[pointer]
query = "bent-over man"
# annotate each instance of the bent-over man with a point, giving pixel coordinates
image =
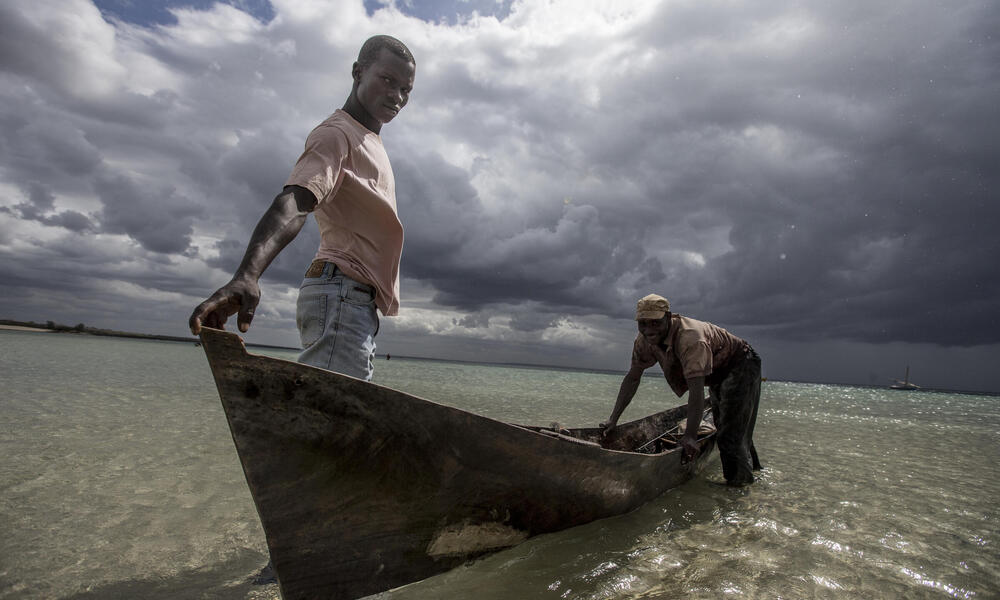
(694, 354)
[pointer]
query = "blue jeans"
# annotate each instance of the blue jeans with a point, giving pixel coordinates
(337, 321)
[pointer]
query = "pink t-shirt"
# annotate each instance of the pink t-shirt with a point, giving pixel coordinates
(345, 166)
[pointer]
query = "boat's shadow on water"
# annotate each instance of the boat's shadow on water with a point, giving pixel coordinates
(222, 581)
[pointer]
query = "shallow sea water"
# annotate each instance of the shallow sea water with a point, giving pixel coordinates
(118, 479)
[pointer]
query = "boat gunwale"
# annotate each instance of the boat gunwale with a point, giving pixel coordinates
(636, 423)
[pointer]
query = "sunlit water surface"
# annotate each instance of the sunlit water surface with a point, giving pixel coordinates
(119, 479)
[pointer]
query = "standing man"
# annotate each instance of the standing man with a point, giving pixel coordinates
(694, 354)
(344, 177)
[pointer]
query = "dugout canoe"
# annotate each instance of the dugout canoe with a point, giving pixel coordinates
(361, 488)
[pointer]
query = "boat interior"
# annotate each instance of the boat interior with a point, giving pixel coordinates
(653, 435)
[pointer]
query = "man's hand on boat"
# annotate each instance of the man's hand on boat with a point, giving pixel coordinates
(607, 427)
(690, 447)
(238, 296)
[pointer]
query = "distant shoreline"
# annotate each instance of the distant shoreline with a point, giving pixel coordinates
(7, 324)
(81, 329)
(24, 328)
(31, 326)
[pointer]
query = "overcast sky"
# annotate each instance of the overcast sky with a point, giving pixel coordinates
(820, 178)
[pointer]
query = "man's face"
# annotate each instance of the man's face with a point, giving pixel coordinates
(384, 86)
(654, 330)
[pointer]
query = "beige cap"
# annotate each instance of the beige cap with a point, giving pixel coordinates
(652, 307)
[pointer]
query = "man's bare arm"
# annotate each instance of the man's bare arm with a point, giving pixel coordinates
(279, 225)
(625, 394)
(696, 406)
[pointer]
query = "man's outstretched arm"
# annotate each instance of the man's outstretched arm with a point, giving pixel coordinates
(282, 221)
(696, 406)
(625, 394)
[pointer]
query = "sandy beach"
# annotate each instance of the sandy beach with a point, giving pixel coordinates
(22, 328)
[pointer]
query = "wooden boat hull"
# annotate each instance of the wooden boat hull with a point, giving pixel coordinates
(361, 488)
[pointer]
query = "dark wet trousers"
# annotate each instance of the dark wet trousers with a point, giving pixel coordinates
(734, 410)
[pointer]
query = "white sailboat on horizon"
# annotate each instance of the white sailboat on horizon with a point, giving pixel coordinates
(905, 384)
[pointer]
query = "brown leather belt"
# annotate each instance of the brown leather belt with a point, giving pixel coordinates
(316, 268)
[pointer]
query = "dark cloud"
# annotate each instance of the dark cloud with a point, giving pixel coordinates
(473, 321)
(49, 149)
(847, 168)
(153, 215)
(40, 207)
(68, 219)
(532, 321)
(474, 261)
(802, 173)
(256, 167)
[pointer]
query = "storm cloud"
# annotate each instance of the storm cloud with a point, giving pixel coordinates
(813, 176)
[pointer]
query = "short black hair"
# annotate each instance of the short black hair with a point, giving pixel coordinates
(371, 47)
